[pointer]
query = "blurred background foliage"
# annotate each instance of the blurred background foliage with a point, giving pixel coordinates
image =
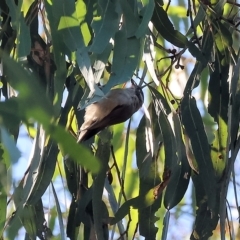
(169, 172)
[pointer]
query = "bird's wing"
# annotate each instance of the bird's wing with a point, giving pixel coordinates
(97, 114)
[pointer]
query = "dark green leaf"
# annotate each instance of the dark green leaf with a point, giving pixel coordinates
(206, 219)
(60, 218)
(3, 189)
(201, 14)
(218, 9)
(166, 130)
(224, 41)
(103, 153)
(218, 108)
(194, 78)
(166, 225)
(235, 89)
(193, 124)
(54, 12)
(163, 25)
(181, 170)
(147, 172)
(42, 176)
(23, 38)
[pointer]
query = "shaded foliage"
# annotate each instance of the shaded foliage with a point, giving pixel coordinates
(59, 56)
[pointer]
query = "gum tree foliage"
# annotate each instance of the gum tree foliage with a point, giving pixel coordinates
(83, 49)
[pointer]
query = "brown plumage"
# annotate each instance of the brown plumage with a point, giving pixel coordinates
(116, 107)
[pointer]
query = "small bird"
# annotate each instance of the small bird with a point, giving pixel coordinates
(116, 107)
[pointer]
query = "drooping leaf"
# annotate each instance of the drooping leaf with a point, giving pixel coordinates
(69, 29)
(149, 56)
(163, 25)
(105, 25)
(3, 190)
(147, 12)
(201, 14)
(125, 59)
(166, 225)
(32, 217)
(194, 78)
(23, 38)
(218, 108)
(206, 218)
(193, 124)
(223, 40)
(103, 153)
(60, 218)
(147, 172)
(162, 109)
(235, 90)
(181, 171)
(55, 10)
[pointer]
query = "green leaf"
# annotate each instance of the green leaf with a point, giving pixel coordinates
(127, 49)
(33, 105)
(69, 28)
(166, 130)
(9, 145)
(218, 108)
(82, 13)
(193, 124)
(146, 12)
(30, 92)
(130, 23)
(149, 57)
(223, 40)
(32, 217)
(105, 25)
(163, 25)
(206, 218)
(197, 53)
(181, 170)
(194, 78)
(140, 202)
(160, 100)
(40, 176)
(3, 190)
(55, 11)
(85, 67)
(207, 44)
(103, 153)
(126, 57)
(23, 38)
(101, 61)
(60, 218)
(14, 13)
(235, 90)
(166, 225)
(218, 9)
(147, 173)
(201, 14)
